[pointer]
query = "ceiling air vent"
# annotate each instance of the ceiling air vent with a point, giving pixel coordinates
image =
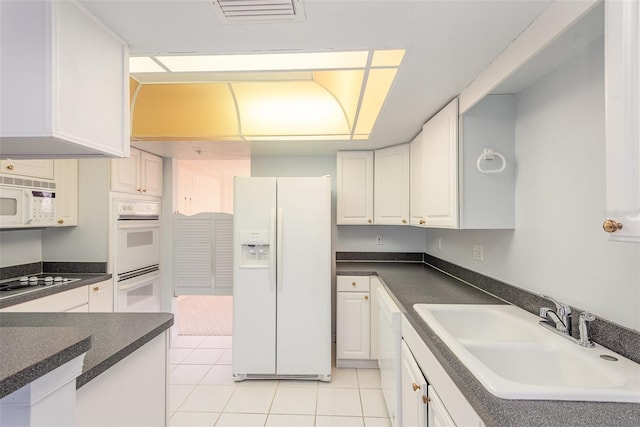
(232, 11)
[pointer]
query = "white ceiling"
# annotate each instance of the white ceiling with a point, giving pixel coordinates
(448, 43)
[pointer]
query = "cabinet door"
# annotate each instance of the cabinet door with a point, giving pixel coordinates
(125, 173)
(438, 414)
(353, 325)
(416, 188)
(391, 185)
(42, 168)
(76, 298)
(414, 391)
(354, 187)
(622, 62)
(150, 174)
(66, 177)
(76, 72)
(101, 297)
(440, 168)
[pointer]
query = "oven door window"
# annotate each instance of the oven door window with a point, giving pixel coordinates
(143, 297)
(137, 247)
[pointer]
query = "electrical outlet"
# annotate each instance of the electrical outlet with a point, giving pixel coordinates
(477, 253)
(379, 239)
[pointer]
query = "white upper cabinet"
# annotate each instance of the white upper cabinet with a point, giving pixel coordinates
(416, 188)
(42, 168)
(391, 185)
(64, 79)
(140, 173)
(66, 177)
(354, 187)
(440, 168)
(622, 83)
(453, 183)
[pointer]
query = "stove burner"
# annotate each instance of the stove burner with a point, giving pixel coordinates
(33, 281)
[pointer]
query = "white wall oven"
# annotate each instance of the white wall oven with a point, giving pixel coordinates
(137, 256)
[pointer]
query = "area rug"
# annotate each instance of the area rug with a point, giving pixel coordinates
(204, 315)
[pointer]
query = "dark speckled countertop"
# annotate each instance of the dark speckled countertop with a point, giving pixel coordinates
(412, 283)
(33, 344)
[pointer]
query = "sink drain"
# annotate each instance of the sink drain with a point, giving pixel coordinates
(609, 358)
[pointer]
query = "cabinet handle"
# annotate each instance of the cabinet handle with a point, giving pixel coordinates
(353, 283)
(61, 221)
(415, 386)
(404, 221)
(10, 167)
(96, 289)
(144, 190)
(139, 190)
(611, 226)
(366, 297)
(422, 222)
(425, 399)
(369, 221)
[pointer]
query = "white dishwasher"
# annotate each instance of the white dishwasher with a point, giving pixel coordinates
(390, 355)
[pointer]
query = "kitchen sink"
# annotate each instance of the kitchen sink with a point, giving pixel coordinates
(513, 357)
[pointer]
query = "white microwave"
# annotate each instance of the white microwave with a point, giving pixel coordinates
(27, 207)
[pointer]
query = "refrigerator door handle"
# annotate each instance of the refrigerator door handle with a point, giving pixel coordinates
(279, 262)
(272, 252)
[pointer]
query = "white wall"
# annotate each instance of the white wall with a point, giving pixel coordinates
(558, 247)
(20, 247)
(89, 240)
(362, 238)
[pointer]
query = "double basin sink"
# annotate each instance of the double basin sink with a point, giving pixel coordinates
(513, 357)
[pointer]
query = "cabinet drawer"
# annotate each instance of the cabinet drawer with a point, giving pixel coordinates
(352, 283)
(63, 301)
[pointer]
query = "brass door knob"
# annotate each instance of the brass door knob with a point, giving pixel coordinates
(10, 167)
(422, 222)
(415, 386)
(425, 399)
(611, 226)
(61, 221)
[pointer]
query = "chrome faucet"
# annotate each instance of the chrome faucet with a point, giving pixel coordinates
(561, 317)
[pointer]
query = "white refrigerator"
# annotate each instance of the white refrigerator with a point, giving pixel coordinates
(282, 278)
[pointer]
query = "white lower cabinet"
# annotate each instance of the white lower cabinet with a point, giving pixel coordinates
(414, 391)
(101, 297)
(437, 413)
(446, 405)
(356, 322)
(133, 392)
(353, 318)
(73, 300)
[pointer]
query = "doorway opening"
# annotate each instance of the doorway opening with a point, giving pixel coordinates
(204, 315)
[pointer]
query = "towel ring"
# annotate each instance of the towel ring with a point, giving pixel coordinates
(488, 154)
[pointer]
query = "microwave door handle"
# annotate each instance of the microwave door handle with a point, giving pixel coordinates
(27, 215)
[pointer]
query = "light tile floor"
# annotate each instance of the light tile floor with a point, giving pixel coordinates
(202, 393)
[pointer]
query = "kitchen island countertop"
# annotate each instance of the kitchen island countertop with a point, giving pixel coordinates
(413, 283)
(55, 338)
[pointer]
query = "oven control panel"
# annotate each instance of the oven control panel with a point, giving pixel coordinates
(138, 208)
